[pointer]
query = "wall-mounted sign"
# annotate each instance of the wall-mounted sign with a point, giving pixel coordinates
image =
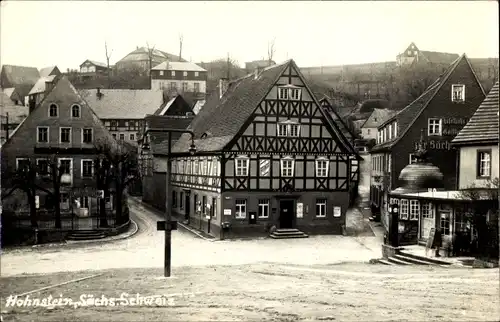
(227, 212)
(300, 210)
(337, 212)
(455, 121)
(434, 145)
(37, 202)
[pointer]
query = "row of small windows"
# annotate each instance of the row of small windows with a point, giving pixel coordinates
(242, 167)
(65, 134)
(64, 164)
(76, 110)
(184, 73)
(264, 205)
(289, 93)
(388, 133)
(185, 86)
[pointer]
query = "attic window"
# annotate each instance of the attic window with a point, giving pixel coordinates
(53, 110)
(288, 128)
(289, 92)
(457, 93)
(75, 111)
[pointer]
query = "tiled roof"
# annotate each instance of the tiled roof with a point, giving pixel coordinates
(176, 106)
(378, 117)
(40, 85)
(439, 57)
(96, 63)
(18, 75)
(44, 72)
(143, 54)
(409, 114)
(123, 103)
(16, 112)
(222, 117)
(182, 66)
(483, 125)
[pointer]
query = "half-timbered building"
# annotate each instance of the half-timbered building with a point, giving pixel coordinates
(268, 157)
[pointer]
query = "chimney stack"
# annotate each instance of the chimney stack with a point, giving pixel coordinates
(223, 85)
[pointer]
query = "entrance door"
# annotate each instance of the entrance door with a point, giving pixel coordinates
(428, 221)
(187, 205)
(287, 213)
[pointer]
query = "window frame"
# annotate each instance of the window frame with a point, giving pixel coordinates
(414, 209)
(71, 165)
(70, 134)
(282, 161)
(429, 213)
(91, 168)
(238, 204)
(410, 156)
(460, 100)
(264, 204)
(321, 203)
(38, 167)
(172, 73)
(403, 209)
(131, 136)
(196, 74)
(20, 159)
(38, 128)
(326, 169)
(79, 111)
(120, 136)
(246, 166)
(56, 109)
(440, 126)
(480, 152)
(91, 135)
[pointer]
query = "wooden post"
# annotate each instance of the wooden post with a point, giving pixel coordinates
(168, 209)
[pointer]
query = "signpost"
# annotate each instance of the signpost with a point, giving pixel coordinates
(394, 226)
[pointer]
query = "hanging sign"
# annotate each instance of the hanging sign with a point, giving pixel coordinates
(337, 212)
(300, 210)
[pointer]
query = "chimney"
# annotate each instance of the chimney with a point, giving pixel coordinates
(223, 85)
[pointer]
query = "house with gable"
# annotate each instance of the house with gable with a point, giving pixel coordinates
(268, 161)
(63, 127)
(435, 117)
(11, 116)
(377, 117)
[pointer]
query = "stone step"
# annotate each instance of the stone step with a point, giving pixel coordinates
(397, 261)
(412, 260)
(85, 237)
(287, 230)
(288, 236)
(432, 260)
(286, 233)
(385, 262)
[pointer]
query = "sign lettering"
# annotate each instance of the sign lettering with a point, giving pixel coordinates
(434, 145)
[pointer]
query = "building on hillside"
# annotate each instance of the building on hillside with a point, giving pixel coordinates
(182, 77)
(140, 59)
(13, 76)
(440, 112)
(91, 69)
(48, 77)
(123, 110)
(61, 129)
(251, 66)
(267, 156)
(412, 55)
(11, 115)
(459, 212)
(369, 130)
(152, 160)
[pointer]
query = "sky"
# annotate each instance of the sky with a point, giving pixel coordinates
(313, 33)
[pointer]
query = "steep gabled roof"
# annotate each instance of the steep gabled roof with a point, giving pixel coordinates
(96, 63)
(181, 66)
(407, 116)
(176, 106)
(378, 117)
(123, 103)
(16, 112)
(48, 71)
(13, 76)
(483, 125)
(142, 54)
(223, 117)
(438, 57)
(41, 84)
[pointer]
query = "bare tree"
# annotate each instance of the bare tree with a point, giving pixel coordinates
(150, 57)
(415, 79)
(108, 56)
(271, 50)
(181, 40)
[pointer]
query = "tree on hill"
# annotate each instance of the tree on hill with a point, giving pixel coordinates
(415, 79)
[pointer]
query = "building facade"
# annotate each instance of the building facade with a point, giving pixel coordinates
(276, 160)
(437, 115)
(369, 130)
(179, 76)
(144, 59)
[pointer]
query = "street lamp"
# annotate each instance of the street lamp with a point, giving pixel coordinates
(168, 225)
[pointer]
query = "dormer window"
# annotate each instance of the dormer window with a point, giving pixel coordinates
(457, 93)
(75, 111)
(289, 92)
(288, 128)
(241, 166)
(53, 110)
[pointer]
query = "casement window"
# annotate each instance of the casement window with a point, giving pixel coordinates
(241, 209)
(414, 209)
(184, 74)
(457, 93)
(66, 167)
(461, 223)
(196, 74)
(445, 223)
(173, 85)
(22, 163)
(64, 198)
(321, 208)
(214, 208)
(75, 111)
(412, 158)
(389, 132)
(283, 93)
(114, 135)
(42, 134)
(483, 164)
(172, 73)
(184, 86)
(131, 137)
(322, 167)
(196, 170)
(427, 210)
(196, 87)
(204, 204)
(263, 208)
(122, 136)
(53, 110)
(379, 136)
(265, 167)
(204, 167)
(295, 94)
(87, 135)
(289, 93)
(241, 167)
(161, 72)
(435, 126)
(65, 135)
(287, 167)
(403, 209)
(87, 168)
(395, 129)
(288, 129)
(42, 167)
